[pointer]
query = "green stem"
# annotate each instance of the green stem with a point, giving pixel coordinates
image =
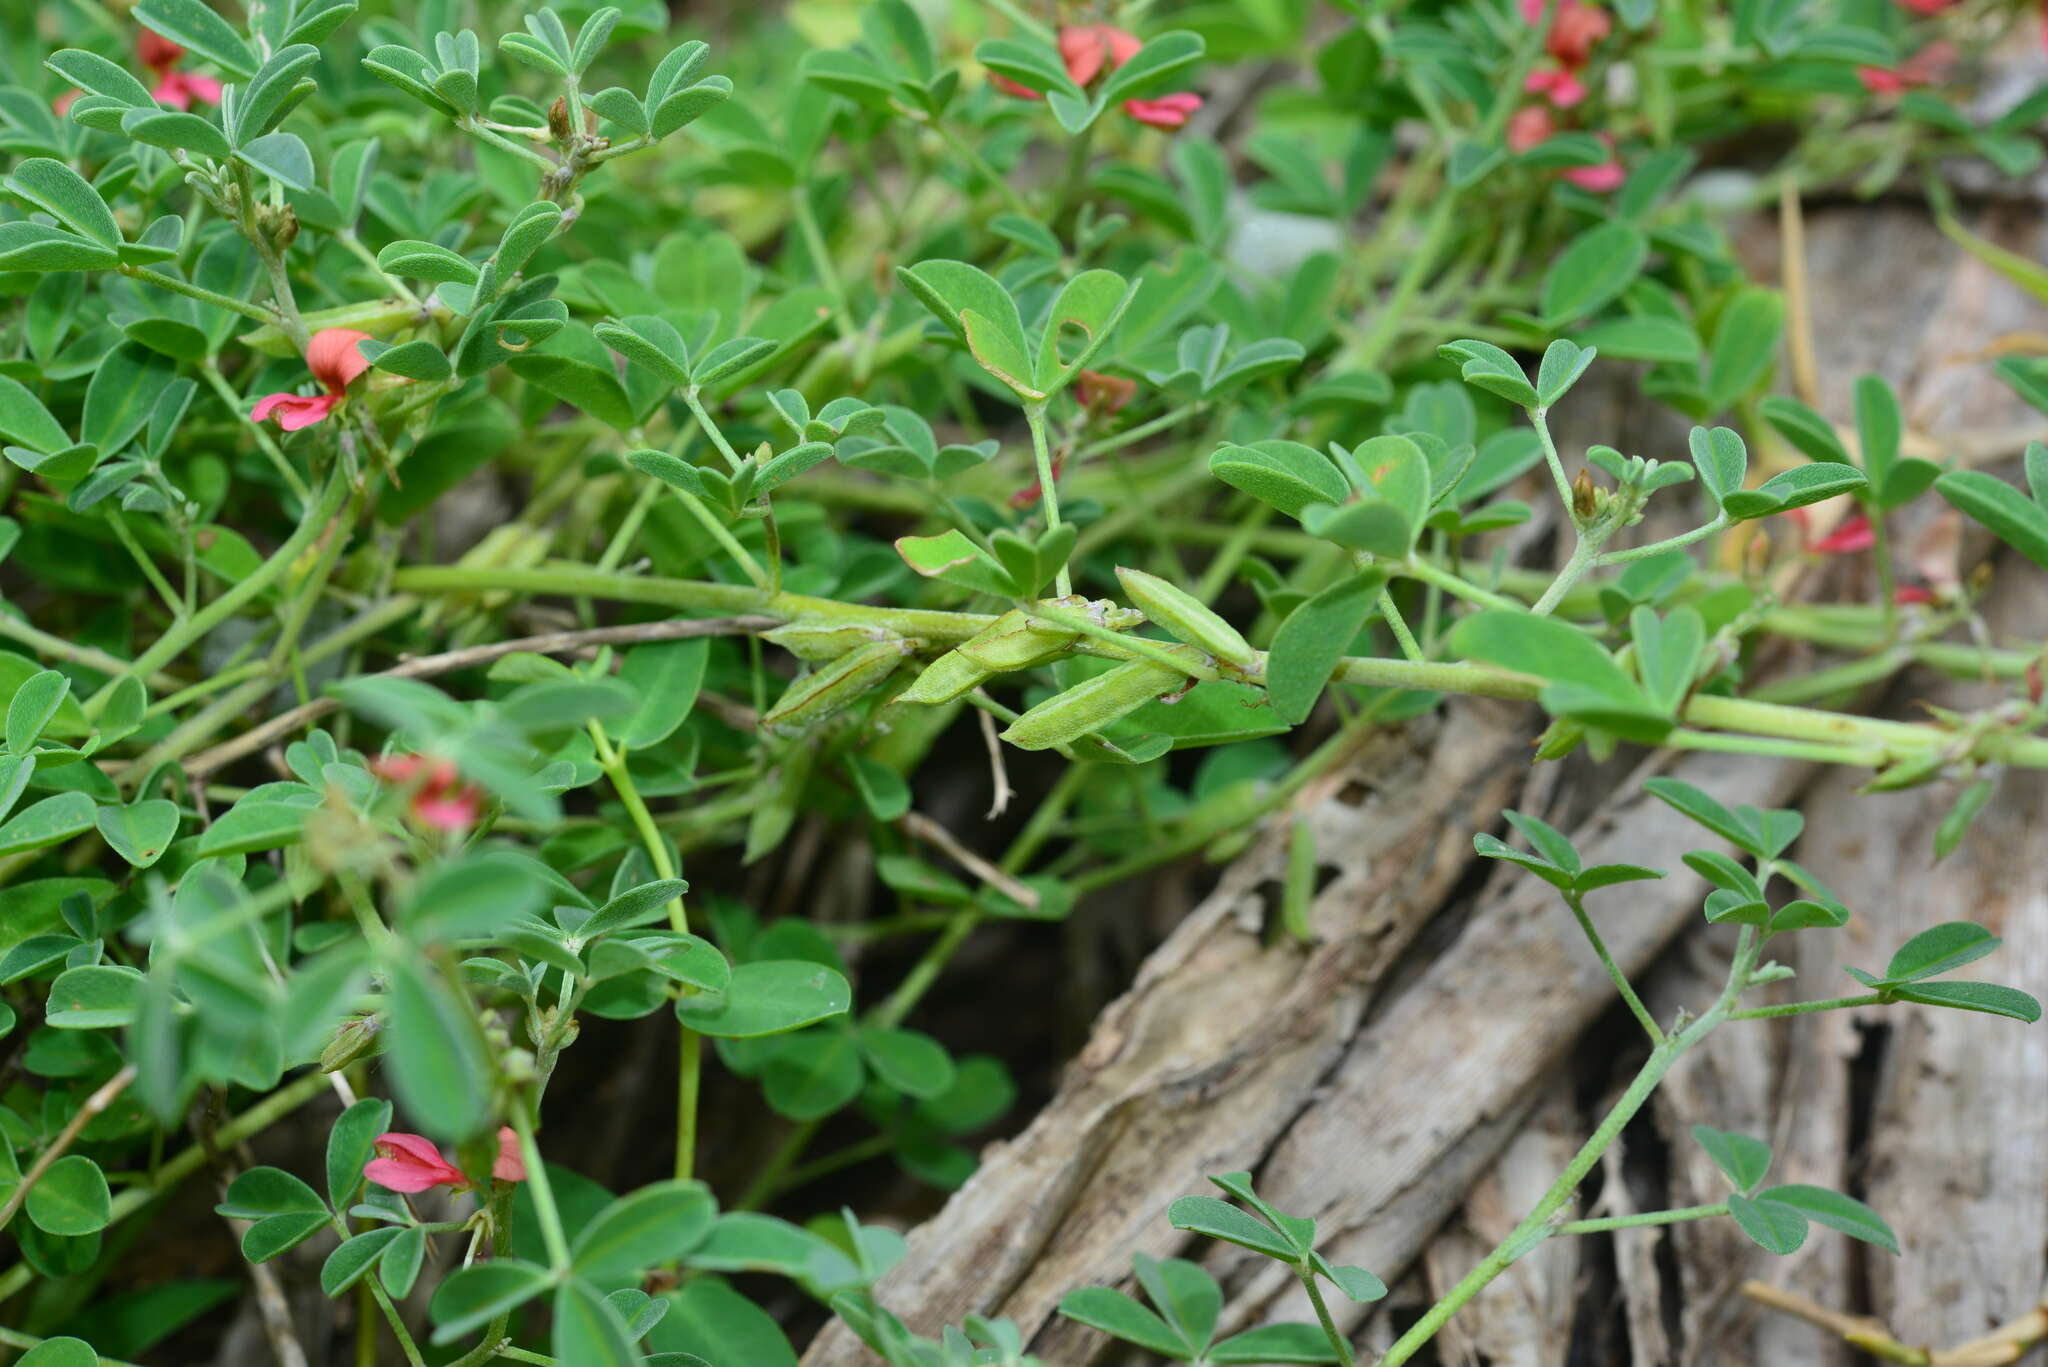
(1399, 624)
(1436, 575)
(1540, 420)
(1537, 1225)
(1133, 435)
(1048, 491)
(1759, 1013)
(543, 1193)
(961, 148)
(270, 449)
(1881, 557)
(1744, 715)
(696, 407)
(182, 634)
(222, 301)
(142, 561)
(1614, 973)
(1338, 1343)
(1655, 1217)
(1670, 543)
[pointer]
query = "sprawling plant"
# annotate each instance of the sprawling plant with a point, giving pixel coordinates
(949, 392)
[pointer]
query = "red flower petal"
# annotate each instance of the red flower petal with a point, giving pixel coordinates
(294, 411)
(156, 52)
(1164, 111)
(1855, 534)
(333, 358)
(410, 1163)
(1529, 126)
(509, 1167)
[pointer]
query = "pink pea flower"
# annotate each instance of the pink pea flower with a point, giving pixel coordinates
(440, 799)
(1929, 66)
(334, 360)
(1600, 179)
(178, 89)
(1560, 84)
(1927, 9)
(1906, 594)
(1855, 534)
(1164, 111)
(1529, 126)
(1086, 49)
(410, 1163)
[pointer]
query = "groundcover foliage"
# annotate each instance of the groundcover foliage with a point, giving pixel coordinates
(898, 389)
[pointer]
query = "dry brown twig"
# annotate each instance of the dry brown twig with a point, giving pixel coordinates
(2006, 1344)
(448, 662)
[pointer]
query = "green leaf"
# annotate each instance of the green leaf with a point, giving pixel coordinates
(1285, 474)
(353, 1257)
(1313, 639)
(1186, 1296)
(1492, 847)
(24, 419)
(1153, 67)
(1582, 681)
(191, 24)
(952, 557)
(1707, 811)
(93, 997)
(1844, 1214)
(1219, 1219)
(66, 196)
(813, 1074)
(667, 676)
(1031, 63)
(281, 156)
(953, 289)
(1090, 304)
(1275, 1343)
(28, 246)
(1745, 346)
(1794, 488)
(54, 819)
(1955, 824)
(1485, 366)
(707, 1316)
(71, 1198)
(33, 707)
(60, 1352)
(1118, 1315)
(2012, 517)
(141, 831)
(259, 1193)
(589, 1331)
(440, 1066)
(1548, 842)
(91, 72)
(1772, 1226)
(187, 132)
(1667, 653)
(655, 1225)
(474, 1296)
(908, 1060)
(1742, 1159)
(579, 384)
(418, 359)
(1357, 1284)
(1804, 428)
(1647, 338)
(351, 1144)
(1940, 949)
(1989, 998)
(1563, 363)
(427, 261)
(768, 998)
(1597, 266)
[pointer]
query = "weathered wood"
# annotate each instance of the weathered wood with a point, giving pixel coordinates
(1215, 1046)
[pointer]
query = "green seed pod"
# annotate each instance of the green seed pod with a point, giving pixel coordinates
(1013, 641)
(816, 697)
(1186, 617)
(1090, 706)
(815, 639)
(945, 679)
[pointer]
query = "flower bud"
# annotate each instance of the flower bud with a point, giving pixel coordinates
(558, 117)
(1585, 497)
(355, 1038)
(287, 228)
